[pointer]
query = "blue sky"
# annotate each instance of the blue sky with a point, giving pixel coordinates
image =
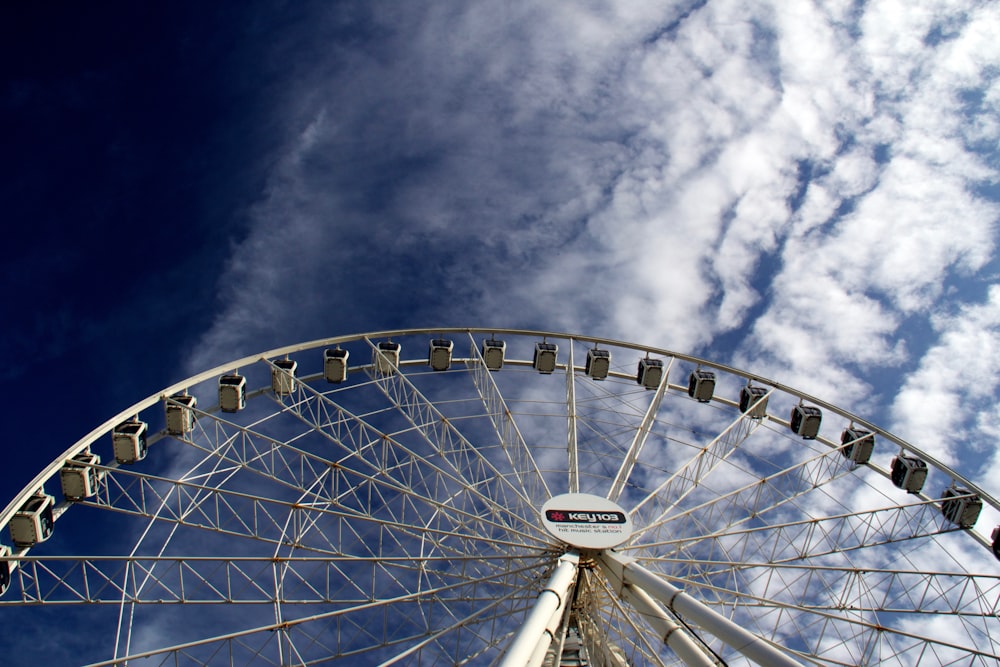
(810, 192)
(806, 190)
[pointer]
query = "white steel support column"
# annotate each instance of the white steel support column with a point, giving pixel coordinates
(574, 467)
(639, 441)
(557, 625)
(535, 635)
(629, 572)
(673, 635)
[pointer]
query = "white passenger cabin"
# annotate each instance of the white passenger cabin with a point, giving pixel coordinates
(908, 473)
(544, 360)
(33, 523)
(649, 373)
(78, 476)
(283, 376)
(335, 365)
(129, 440)
(387, 358)
(960, 506)
(232, 392)
(493, 353)
(857, 444)
(753, 401)
(701, 385)
(5, 569)
(598, 364)
(805, 421)
(439, 354)
(180, 413)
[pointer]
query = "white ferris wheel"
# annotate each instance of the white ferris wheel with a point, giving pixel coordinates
(496, 497)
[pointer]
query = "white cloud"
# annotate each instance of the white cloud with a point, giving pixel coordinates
(804, 176)
(951, 394)
(804, 180)
(874, 243)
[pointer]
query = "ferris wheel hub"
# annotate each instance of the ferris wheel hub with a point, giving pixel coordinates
(586, 521)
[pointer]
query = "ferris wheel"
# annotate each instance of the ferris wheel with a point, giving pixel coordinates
(496, 497)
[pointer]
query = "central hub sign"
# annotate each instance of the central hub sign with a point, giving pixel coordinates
(586, 521)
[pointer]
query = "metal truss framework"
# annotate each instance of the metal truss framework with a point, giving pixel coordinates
(394, 518)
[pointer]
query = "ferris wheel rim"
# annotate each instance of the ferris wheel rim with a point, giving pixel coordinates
(370, 338)
(52, 469)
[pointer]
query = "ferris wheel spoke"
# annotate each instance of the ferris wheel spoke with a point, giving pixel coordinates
(457, 635)
(389, 460)
(466, 461)
(522, 463)
(658, 504)
(458, 617)
(272, 459)
(493, 609)
(393, 483)
(609, 627)
(137, 580)
(215, 509)
(849, 634)
(887, 591)
(266, 519)
(373, 624)
(640, 437)
(815, 537)
(397, 472)
(965, 604)
(573, 462)
(723, 512)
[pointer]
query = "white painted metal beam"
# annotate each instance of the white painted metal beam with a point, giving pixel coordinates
(628, 462)
(535, 630)
(629, 572)
(571, 448)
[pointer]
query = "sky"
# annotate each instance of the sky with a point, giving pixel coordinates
(806, 190)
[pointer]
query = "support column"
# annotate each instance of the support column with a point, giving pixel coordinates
(528, 647)
(627, 570)
(673, 635)
(571, 448)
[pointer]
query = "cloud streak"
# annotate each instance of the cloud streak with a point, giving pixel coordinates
(787, 188)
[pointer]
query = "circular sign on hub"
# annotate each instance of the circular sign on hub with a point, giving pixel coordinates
(586, 521)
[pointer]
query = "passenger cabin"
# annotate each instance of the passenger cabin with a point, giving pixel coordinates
(33, 523)
(283, 376)
(701, 385)
(232, 392)
(908, 473)
(960, 506)
(180, 414)
(805, 421)
(649, 373)
(753, 401)
(493, 352)
(598, 364)
(387, 357)
(79, 477)
(439, 354)
(857, 444)
(129, 439)
(335, 365)
(545, 357)
(995, 537)
(5, 569)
